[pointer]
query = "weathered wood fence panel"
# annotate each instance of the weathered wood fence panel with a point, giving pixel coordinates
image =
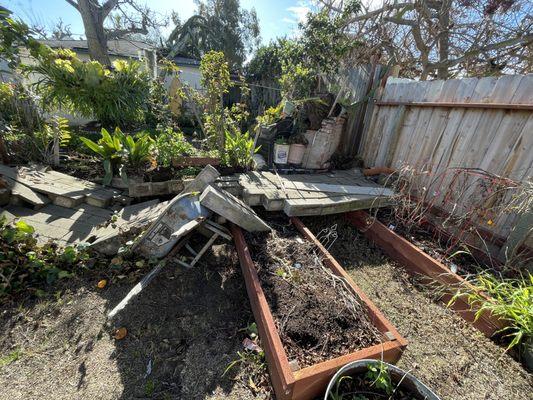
(438, 138)
(355, 88)
(263, 94)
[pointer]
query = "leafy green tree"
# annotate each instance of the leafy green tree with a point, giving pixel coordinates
(296, 64)
(220, 25)
(267, 62)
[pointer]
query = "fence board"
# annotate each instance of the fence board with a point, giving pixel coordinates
(499, 141)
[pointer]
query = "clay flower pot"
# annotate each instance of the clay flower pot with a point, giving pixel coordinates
(296, 153)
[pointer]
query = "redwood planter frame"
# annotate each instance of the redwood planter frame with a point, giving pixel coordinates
(308, 382)
(181, 162)
(418, 263)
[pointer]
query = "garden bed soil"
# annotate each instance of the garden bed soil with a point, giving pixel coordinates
(445, 249)
(188, 325)
(315, 319)
(445, 352)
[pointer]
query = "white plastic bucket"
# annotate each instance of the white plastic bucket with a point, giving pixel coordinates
(281, 153)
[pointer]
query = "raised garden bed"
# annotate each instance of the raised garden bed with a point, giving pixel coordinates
(308, 372)
(420, 263)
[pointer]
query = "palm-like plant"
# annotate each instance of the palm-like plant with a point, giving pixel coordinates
(194, 38)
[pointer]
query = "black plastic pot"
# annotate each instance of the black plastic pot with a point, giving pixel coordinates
(398, 376)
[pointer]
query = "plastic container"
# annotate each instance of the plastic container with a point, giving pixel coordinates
(397, 375)
(281, 153)
(296, 153)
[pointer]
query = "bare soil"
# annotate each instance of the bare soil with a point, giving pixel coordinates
(445, 352)
(315, 318)
(448, 251)
(187, 325)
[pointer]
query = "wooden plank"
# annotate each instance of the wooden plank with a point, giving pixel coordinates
(332, 205)
(231, 208)
(344, 189)
(25, 193)
(502, 106)
(394, 134)
(419, 263)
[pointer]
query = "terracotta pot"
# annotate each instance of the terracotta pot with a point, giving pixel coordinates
(296, 153)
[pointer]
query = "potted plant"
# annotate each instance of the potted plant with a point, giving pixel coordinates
(297, 149)
(374, 379)
(281, 151)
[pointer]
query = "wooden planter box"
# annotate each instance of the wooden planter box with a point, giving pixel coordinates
(195, 162)
(144, 189)
(416, 262)
(309, 382)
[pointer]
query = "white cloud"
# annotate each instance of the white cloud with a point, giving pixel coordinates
(299, 12)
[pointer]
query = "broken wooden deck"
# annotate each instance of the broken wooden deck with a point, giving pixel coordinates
(310, 194)
(39, 186)
(61, 225)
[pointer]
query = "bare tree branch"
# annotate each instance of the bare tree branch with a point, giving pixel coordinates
(118, 33)
(108, 7)
(528, 39)
(73, 4)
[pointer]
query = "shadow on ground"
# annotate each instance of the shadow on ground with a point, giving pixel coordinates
(183, 331)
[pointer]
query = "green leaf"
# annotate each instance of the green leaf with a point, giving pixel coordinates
(24, 227)
(108, 172)
(92, 145)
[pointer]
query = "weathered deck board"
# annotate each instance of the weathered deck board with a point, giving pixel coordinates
(62, 189)
(62, 225)
(312, 194)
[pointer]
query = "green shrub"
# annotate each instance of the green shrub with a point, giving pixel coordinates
(138, 151)
(111, 149)
(172, 145)
(239, 149)
(28, 266)
(18, 109)
(116, 96)
(120, 151)
(271, 115)
(509, 299)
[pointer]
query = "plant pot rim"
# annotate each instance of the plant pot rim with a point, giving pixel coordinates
(405, 376)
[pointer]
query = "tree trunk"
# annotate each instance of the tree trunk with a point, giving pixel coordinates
(93, 22)
(4, 157)
(444, 39)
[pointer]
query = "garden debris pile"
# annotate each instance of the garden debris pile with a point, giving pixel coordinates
(299, 289)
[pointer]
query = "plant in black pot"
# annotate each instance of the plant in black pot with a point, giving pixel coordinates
(375, 380)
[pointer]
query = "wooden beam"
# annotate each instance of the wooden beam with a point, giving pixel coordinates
(503, 106)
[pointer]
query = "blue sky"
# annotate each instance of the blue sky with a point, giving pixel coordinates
(277, 17)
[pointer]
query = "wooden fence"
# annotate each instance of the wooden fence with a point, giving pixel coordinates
(482, 123)
(355, 88)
